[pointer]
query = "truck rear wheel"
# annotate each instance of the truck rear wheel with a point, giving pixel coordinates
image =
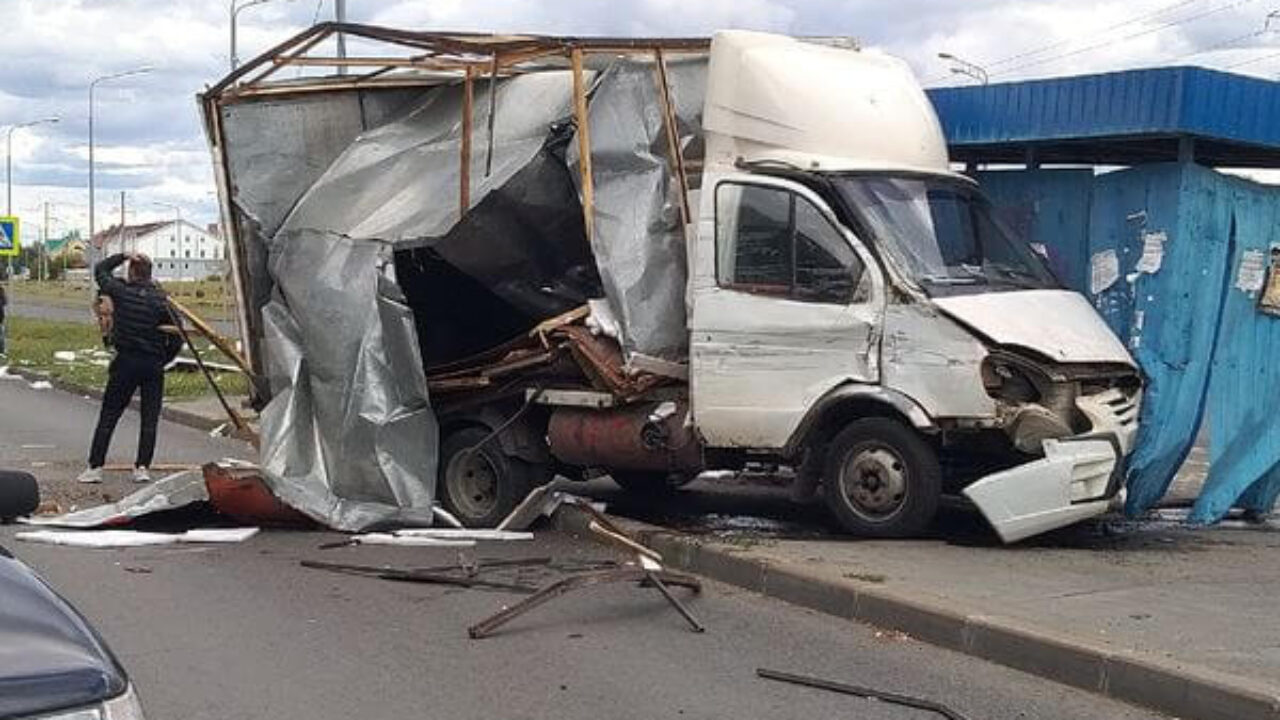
(882, 479)
(480, 485)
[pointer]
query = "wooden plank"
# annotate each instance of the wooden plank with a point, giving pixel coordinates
(464, 170)
(673, 138)
(212, 336)
(584, 142)
(493, 115)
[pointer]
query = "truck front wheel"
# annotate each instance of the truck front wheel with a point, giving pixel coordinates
(477, 482)
(882, 479)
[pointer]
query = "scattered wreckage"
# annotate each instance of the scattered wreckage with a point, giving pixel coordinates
(472, 262)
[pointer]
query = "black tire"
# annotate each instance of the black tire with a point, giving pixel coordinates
(19, 494)
(481, 486)
(650, 482)
(882, 479)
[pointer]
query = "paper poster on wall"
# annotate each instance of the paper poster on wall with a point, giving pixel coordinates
(1152, 252)
(1270, 301)
(1104, 271)
(1252, 272)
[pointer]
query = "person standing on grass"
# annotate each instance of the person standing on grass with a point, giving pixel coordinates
(4, 300)
(143, 348)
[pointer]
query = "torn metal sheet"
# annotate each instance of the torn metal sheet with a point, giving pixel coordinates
(168, 493)
(639, 238)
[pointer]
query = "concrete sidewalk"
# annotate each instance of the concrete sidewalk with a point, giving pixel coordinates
(1152, 613)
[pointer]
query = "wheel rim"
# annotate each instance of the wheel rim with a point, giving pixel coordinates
(472, 481)
(874, 482)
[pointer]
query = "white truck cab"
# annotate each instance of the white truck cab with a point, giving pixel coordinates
(857, 308)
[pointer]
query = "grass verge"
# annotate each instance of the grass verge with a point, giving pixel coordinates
(32, 344)
(204, 297)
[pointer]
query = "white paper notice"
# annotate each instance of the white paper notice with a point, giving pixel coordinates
(1105, 270)
(1252, 272)
(1152, 252)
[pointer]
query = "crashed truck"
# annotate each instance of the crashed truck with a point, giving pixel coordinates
(469, 263)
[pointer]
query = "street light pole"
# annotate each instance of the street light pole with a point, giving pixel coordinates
(234, 8)
(88, 248)
(8, 159)
(966, 68)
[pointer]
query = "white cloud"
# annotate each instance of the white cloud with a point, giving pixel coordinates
(151, 143)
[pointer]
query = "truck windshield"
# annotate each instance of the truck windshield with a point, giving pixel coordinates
(943, 234)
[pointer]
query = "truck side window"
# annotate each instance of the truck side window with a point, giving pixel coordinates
(755, 238)
(771, 241)
(827, 269)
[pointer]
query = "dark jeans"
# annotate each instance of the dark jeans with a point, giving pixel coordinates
(130, 372)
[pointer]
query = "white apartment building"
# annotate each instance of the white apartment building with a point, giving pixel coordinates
(179, 250)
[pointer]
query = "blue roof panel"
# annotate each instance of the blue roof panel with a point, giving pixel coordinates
(1184, 101)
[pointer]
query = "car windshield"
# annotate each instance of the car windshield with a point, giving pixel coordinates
(943, 234)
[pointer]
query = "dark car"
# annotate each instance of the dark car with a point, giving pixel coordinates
(53, 666)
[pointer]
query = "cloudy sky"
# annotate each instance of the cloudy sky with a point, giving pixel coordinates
(149, 142)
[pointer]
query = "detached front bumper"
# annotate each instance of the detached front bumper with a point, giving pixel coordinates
(1078, 478)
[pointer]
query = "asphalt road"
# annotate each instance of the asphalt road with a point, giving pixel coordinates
(244, 632)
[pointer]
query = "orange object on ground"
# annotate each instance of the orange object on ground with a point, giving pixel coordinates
(240, 493)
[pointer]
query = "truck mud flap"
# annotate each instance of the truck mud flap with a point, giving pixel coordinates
(1076, 480)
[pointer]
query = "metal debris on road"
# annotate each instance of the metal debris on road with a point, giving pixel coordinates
(632, 574)
(465, 534)
(646, 572)
(399, 539)
(434, 576)
(864, 692)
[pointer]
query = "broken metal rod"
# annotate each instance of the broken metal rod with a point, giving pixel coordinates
(624, 541)
(864, 692)
(654, 580)
(418, 576)
(506, 615)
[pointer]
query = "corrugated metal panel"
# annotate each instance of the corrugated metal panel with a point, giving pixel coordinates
(1244, 388)
(1150, 102)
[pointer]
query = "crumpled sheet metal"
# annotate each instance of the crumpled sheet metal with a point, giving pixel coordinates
(168, 493)
(1244, 384)
(639, 243)
(277, 148)
(349, 437)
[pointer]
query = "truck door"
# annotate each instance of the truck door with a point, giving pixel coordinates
(787, 304)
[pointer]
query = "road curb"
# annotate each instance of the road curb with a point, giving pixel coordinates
(172, 414)
(1159, 683)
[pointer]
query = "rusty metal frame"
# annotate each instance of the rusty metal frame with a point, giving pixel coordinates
(437, 58)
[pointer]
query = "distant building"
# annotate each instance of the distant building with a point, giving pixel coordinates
(179, 250)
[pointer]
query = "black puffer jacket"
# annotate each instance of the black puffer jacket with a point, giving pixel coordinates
(140, 309)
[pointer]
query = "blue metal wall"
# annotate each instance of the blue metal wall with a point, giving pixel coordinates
(1053, 207)
(1200, 342)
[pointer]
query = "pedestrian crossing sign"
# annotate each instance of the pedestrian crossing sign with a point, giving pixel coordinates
(9, 236)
